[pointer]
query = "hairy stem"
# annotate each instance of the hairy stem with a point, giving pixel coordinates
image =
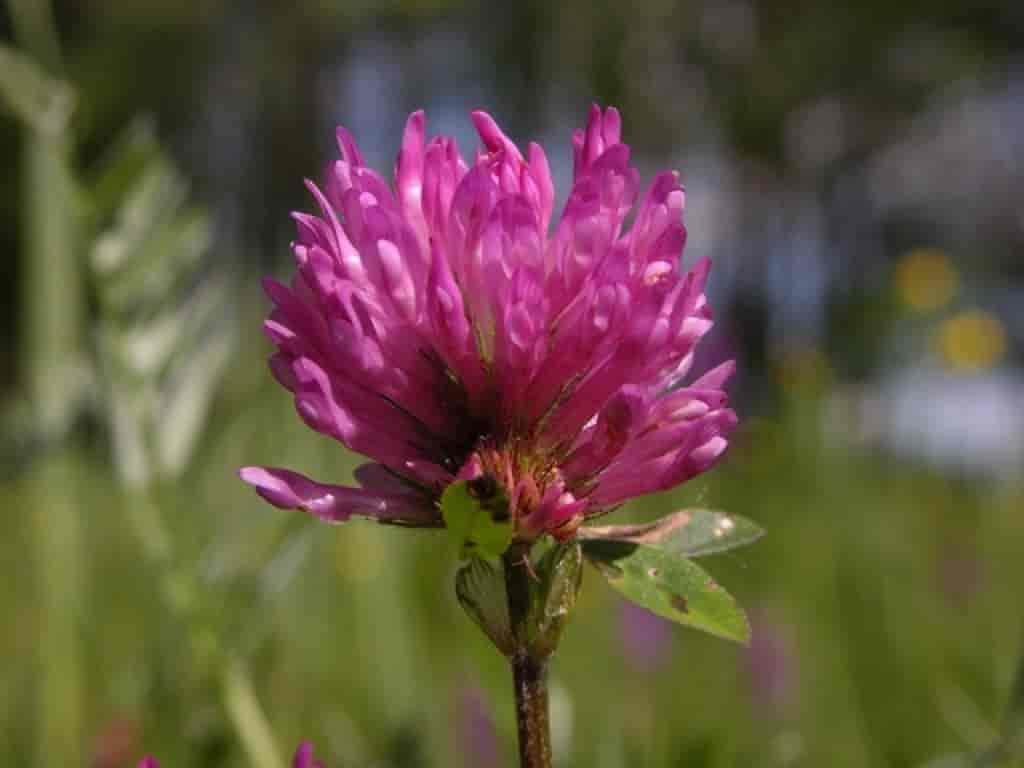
(529, 675)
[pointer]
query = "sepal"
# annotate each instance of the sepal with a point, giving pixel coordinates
(480, 588)
(559, 575)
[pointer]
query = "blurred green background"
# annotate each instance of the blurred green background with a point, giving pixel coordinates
(856, 171)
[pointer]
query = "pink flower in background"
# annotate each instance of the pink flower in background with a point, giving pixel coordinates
(476, 733)
(646, 637)
(445, 328)
(304, 757)
(771, 665)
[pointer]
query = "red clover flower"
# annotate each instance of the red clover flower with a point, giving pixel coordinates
(510, 378)
(444, 328)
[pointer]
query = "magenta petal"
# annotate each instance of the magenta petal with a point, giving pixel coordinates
(349, 148)
(303, 756)
(409, 175)
(148, 762)
(665, 457)
(334, 503)
(377, 477)
(716, 377)
(492, 136)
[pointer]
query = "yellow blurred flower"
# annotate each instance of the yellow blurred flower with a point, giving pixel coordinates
(971, 341)
(926, 279)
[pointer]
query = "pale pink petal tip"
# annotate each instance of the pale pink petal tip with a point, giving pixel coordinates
(336, 503)
(290, 490)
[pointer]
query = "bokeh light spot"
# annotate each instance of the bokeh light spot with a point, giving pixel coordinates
(971, 341)
(926, 279)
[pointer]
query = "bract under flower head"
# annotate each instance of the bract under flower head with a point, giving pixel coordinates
(443, 327)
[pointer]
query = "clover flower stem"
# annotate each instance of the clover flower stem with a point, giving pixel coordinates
(529, 675)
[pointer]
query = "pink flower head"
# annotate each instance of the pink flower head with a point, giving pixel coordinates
(445, 329)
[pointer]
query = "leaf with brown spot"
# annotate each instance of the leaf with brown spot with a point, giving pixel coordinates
(669, 585)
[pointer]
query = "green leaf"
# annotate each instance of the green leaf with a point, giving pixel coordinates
(41, 102)
(480, 588)
(476, 521)
(689, 532)
(669, 585)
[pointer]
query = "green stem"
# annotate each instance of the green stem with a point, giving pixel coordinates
(529, 675)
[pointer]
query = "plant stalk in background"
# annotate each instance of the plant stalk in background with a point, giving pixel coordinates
(162, 347)
(52, 303)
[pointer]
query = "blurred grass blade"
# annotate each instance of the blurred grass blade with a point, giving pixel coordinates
(669, 585)
(248, 718)
(41, 102)
(688, 532)
(958, 760)
(58, 551)
(1013, 727)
